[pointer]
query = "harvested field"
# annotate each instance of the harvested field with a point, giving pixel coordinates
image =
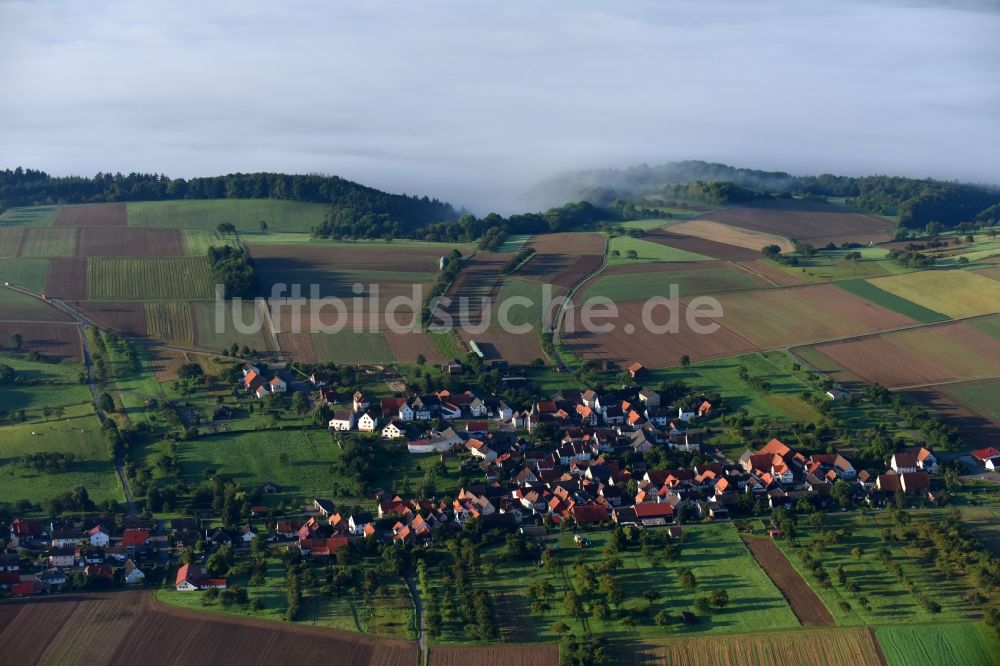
(208, 336)
(704, 246)
(540, 654)
(126, 318)
(91, 215)
(127, 628)
(568, 243)
(407, 346)
(651, 349)
(172, 322)
(805, 604)
(10, 241)
(149, 279)
(955, 293)
(824, 647)
(56, 340)
(813, 221)
(517, 626)
(15, 306)
(560, 269)
(343, 347)
(516, 349)
(774, 318)
(67, 278)
(346, 256)
(48, 242)
(926, 355)
(131, 242)
(730, 235)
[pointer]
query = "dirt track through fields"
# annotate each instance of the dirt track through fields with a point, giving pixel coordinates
(806, 605)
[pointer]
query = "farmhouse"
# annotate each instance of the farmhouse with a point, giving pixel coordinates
(367, 422)
(392, 430)
(343, 420)
(277, 385)
(98, 536)
(191, 578)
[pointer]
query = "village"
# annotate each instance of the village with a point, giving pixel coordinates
(577, 461)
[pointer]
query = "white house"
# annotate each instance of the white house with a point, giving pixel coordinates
(684, 416)
(133, 574)
(278, 385)
(98, 537)
(343, 420)
(504, 412)
(367, 423)
(406, 412)
(479, 449)
(478, 408)
(62, 557)
(392, 430)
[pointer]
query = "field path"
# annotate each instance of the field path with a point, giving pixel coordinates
(420, 620)
(564, 306)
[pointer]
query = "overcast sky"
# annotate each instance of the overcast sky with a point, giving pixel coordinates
(474, 101)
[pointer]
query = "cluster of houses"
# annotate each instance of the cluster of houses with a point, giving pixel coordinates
(39, 557)
(255, 383)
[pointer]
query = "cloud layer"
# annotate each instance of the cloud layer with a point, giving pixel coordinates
(474, 102)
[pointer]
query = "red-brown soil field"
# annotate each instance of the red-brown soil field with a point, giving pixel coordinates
(805, 604)
(581, 267)
(816, 222)
(479, 279)
(92, 215)
(129, 628)
(406, 347)
(57, 340)
(542, 654)
(126, 318)
(568, 243)
(774, 318)
(653, 350)
(516, 349)
(392, 257)
(700, 245)
(131, 242)
(67, 278)
(926, 355)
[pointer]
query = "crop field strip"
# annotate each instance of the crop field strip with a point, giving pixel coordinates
(91, 215)
(245, 214)
(55, 339)
(131, 242)
(28, 273)
(808, 607)
(171, 322)
(10, 241)
(647, 251)
(208, 336)
(932, 354)
(343, 347)
(29, 216)
(730, 235)
(955, 293)
(816, 647)
(389, 257)
(621, 287)
(149, 279)
(49, 242)
(700, 246)
(509, 655)
(66, 278)
(940, 644)
(120, 317)
(813, 221)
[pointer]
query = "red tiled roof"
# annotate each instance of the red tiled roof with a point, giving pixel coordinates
(135, 537)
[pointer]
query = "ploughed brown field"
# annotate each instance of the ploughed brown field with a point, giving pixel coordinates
(563, 270)
(650, 349)
(323, 257)
(127, 628)
(543, 654)
(479, 279)
(315, 312)
(92, 215)
(813, 221)
(805, 604)
(581, 267)
(67, 278)
(57, 340)
(927, 355)
(704, 246)
(515, 348)
(125, 318)
(568, 243)
(131, 242)
(406, 347)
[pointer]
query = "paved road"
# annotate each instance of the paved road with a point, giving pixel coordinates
(82, 322)
(421, 619)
